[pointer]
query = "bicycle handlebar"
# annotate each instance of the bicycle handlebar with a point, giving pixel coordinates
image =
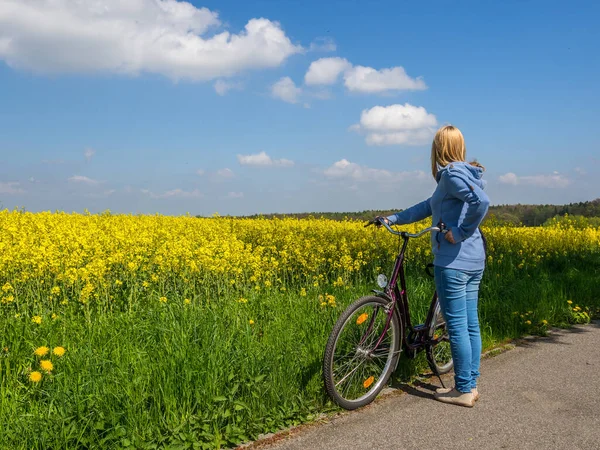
(379, 220)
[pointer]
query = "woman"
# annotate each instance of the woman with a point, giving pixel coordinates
(459, 255)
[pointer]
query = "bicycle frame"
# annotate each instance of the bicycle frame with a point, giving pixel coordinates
(399, 297)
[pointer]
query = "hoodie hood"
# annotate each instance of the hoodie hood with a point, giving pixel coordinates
(465, 170)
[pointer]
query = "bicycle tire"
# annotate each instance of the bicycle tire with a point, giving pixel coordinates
(439, 355)
(329, 365)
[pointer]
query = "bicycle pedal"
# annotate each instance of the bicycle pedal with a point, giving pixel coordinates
(419, 327)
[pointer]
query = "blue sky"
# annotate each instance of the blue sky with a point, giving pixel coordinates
(290, 106)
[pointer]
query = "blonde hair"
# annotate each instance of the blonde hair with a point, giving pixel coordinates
(448, 146)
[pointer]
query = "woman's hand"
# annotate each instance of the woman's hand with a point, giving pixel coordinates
(384, 219)
(449, 237)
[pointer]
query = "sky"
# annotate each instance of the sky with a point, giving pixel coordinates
(245, 107)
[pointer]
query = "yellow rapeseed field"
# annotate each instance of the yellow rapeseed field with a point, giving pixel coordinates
(59, 257)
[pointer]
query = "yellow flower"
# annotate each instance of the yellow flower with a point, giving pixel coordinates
(55, 290)
(544, 322)
(41, 351)
(58, 351)
(36, 319)
(187, 301)
(35, 377)
(118, 282)
(54, 316)
(303, 292)
(46, 365)
(569, 302)
(7, 287)
(145, 284)
(528, 322)
(163, 299)
(243, 300)
(251, 322)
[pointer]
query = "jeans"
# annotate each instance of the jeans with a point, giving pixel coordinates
(458, 293)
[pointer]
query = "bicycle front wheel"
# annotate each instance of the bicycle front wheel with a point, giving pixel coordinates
(362, 352)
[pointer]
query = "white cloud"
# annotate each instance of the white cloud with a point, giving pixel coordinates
(286, 90)
(174, 193)
(83, 179)
(322, 44)
(167, 37)
(104, 194)
(346, 170)
(235, 195)
(200, 172)
(263, 160)
(554, 180)
(369, 80)
(225, 173)
(222, 86)
(396, 125)
(509, 178)
(326, 71)
(10, 188)
(89, 153)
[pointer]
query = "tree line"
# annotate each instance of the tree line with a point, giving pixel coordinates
(524, 215)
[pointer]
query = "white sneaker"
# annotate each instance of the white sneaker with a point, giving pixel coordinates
(455, 397)
(446, 390)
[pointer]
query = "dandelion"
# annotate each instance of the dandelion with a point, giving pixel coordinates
(163, 299)
(55, 290)
(37, 319)
(35, 377)
(243, 300)
(528, 322)
(7, 287)
(58, 351)
(303, 292)
(145, 284)
(544, 322)
(251, 322)
(570, 302)
(41, 351)
(187, 301)
(54, 316)
(46, 365)
(118, 283)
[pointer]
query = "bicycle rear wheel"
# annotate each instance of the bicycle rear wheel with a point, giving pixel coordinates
(438, 351)
(361, 353)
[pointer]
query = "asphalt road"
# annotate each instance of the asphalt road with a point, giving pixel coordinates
(543, 394)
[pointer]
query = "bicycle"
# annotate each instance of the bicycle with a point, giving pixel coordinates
(365, 344)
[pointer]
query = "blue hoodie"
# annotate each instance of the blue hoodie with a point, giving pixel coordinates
(460, 203)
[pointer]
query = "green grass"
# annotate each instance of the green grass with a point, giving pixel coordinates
(171, 375)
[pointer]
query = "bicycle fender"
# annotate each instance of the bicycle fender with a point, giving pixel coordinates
(381, 294)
